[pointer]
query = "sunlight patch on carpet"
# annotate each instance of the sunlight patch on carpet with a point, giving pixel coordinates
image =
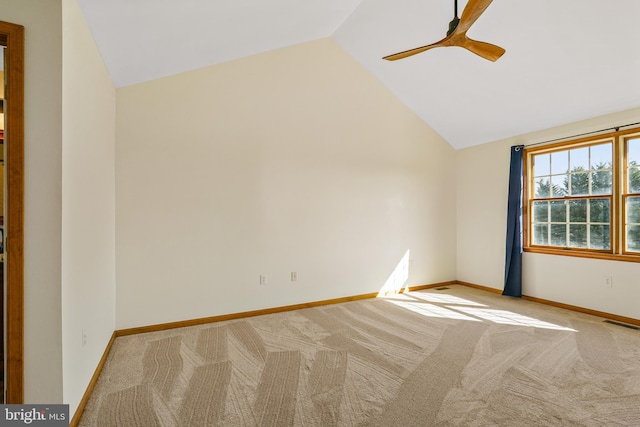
(445, 299)
(432, 310)
(509, 318)
(453, 307)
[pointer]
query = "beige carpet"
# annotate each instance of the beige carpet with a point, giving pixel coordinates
(452, 357)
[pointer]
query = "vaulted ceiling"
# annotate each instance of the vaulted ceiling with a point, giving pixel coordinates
(565, 60)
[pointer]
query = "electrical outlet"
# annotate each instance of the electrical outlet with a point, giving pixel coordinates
(263, 279)
(607, 281)
(84, 337)
(294, 276)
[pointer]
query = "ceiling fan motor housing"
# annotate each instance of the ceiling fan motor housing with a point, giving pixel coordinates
(453, 25)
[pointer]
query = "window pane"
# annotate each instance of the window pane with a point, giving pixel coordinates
(633, 210)
(600, 237)
(634, 180)
(633, 238)
(558, 212)
(578, 236)
(558, 235)
(633, 151)
(601, 156)
(600, 210)
(540, 211)
(540, 234)
(601, 166)
(559, 185)
(601, 182)
(543, 188)
(579, 159)
(559, 162)
(578, 211)
(580, 184)
(541, 165)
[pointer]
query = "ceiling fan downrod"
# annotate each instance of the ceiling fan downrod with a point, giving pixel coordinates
(454, 23)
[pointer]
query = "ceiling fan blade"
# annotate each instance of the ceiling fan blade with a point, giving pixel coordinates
(486, 50)
(471, 13)
(411, 52)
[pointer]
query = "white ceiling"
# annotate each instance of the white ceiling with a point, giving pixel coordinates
(566, 60)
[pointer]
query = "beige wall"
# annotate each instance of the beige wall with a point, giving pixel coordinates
(292, 160)
(88, 204)
(481, 226)
(43, 186)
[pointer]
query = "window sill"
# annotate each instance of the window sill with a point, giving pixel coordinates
(583, 254)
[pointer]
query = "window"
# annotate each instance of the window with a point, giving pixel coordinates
(583, 197)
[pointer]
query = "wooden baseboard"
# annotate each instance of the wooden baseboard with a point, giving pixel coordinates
(241, 315)
(94, 379)
(433, 285)
(623, 319)
(244, 314)
(483, 288)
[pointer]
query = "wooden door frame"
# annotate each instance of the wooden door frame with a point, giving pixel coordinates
(12, 37)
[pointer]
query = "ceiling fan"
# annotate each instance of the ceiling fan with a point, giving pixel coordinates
(457, 34)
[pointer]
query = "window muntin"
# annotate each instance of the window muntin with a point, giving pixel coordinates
(572, 197)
